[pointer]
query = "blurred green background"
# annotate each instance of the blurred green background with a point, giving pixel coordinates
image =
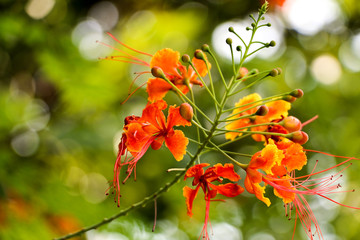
(61, 117)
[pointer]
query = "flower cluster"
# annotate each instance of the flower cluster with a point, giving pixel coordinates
(266, 120)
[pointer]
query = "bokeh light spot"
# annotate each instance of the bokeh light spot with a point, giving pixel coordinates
(38, 9)
(326, 69)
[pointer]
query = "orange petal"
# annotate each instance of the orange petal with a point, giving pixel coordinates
(272, 156)
(201, 66)
(136, 137)
(167, 59)
(286, 196)
(228, 190)
(157, 143)
(277, 109)
(226, 171)
(196, 171)
(177, 143)
(153, 114)
(190, 195)
(157, 89)
(258, 190)
(175, 119)
(236, 125)
(295, 157)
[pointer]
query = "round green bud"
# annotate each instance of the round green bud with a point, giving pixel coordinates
(274, 72)
(185, 58)
(289, 98)
(205, 48)
(248, 29)
(199, 54)
(229, 41)
(238, 48)
(272, 43)
(253, 25)
(231, 29)
(254, 71)
(268, 24)
(298, 93)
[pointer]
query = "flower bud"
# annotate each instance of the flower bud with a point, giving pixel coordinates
(158, 72)
(292, 124)
(238, 48)
(243, 71)
(262, 110)
(185, 58)
(231, 29)
(229, 41)
(279, 70)
(186, 111)
(254, 71)
(199, 55)
(272, 43)
(205, 48)
(298, 93)
(299, 137)
(274, 72)
(289, 98)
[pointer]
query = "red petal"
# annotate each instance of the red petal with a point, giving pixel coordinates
(228, 190)
(190, 195)
(153, 114)
(167, 59)
(196, 171)
(226, 171)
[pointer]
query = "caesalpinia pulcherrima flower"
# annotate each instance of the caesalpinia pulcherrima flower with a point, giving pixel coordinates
(151, 129)
(204, 180)
(265, 120)
(169, 61)
(244, 115)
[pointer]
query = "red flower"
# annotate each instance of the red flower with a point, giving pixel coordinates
(151, 129)
(204, 180)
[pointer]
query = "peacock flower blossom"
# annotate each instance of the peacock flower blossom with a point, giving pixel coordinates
(169, 61)
(204, 180)
(244, 115)
(182, 77)
(151, 129)
(278, 162)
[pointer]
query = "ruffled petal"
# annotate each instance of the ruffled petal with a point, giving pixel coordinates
(295, 157)
(272, 156)
(259, 191)
(190, 195)
(136, 137)
(284, 190)
(241, 123)
(157, 143)
(196, 171)
(201, 66)
(175, 119)
(167, 59)
(177, 143)
(157, 89)
(153, 114)
(226, 171)
(228, 190)
(277, 109)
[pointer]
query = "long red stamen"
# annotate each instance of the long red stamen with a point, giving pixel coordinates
(117, 40)
(130, 94)
(309, 121)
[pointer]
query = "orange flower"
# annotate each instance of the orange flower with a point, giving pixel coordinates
(204, 180)
(151, 129)
(244, 116)
(168, 60)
